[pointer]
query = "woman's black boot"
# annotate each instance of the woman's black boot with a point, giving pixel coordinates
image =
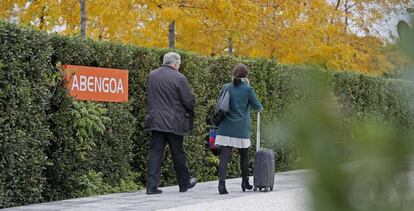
(222, 188)
(245, 185)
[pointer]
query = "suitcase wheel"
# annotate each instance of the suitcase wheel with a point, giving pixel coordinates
(255, 188)
(265, 189)
(271, 188)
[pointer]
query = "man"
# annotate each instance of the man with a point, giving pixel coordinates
(170, 108)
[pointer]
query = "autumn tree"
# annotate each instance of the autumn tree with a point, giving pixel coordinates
(334, 34)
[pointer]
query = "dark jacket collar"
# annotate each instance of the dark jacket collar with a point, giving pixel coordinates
(168, 66)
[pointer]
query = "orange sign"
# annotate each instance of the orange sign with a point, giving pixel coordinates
(97, 84)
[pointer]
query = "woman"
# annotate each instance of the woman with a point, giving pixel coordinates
(234, 129)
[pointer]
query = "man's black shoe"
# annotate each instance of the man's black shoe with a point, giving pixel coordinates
(193, 182)
(154, 191)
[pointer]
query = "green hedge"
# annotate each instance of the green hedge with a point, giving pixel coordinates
(25, 82)
(44, 156)
(111, 151)
(390, 99)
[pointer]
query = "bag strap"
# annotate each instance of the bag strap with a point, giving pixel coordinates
(226, 88)
(258, 132)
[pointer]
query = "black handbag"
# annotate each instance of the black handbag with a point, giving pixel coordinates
(217, 117)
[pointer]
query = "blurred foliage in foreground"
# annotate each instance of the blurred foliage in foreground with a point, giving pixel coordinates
(359, 163)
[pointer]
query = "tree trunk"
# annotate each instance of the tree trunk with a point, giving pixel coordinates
(230, 46)
(42, 18)
(346, 15)
(171, 35)
(83, 18)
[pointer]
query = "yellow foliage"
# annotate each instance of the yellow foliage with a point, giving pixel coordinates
(293, 32)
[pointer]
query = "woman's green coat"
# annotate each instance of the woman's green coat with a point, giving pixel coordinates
(236, 123)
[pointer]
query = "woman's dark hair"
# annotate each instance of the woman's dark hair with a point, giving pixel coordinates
(239, 71)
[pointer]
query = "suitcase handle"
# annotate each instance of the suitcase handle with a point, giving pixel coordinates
(258, 132)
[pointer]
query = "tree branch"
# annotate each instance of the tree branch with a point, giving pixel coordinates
(337, 4)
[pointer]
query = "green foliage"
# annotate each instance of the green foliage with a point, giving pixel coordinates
(388, 98)
(65, 164)
(24, 98)
(89, 119)
(376, 149)
(113, 152)
(128, 184)
(54, 148)
(93, 184)
(88, 136)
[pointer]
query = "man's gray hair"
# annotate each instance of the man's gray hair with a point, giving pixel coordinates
(171, 58)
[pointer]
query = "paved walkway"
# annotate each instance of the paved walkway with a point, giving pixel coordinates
(290, 194)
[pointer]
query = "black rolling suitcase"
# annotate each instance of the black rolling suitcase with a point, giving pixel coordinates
(264, 165)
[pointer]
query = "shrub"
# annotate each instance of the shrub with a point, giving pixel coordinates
(25, 82)
(46, 156)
